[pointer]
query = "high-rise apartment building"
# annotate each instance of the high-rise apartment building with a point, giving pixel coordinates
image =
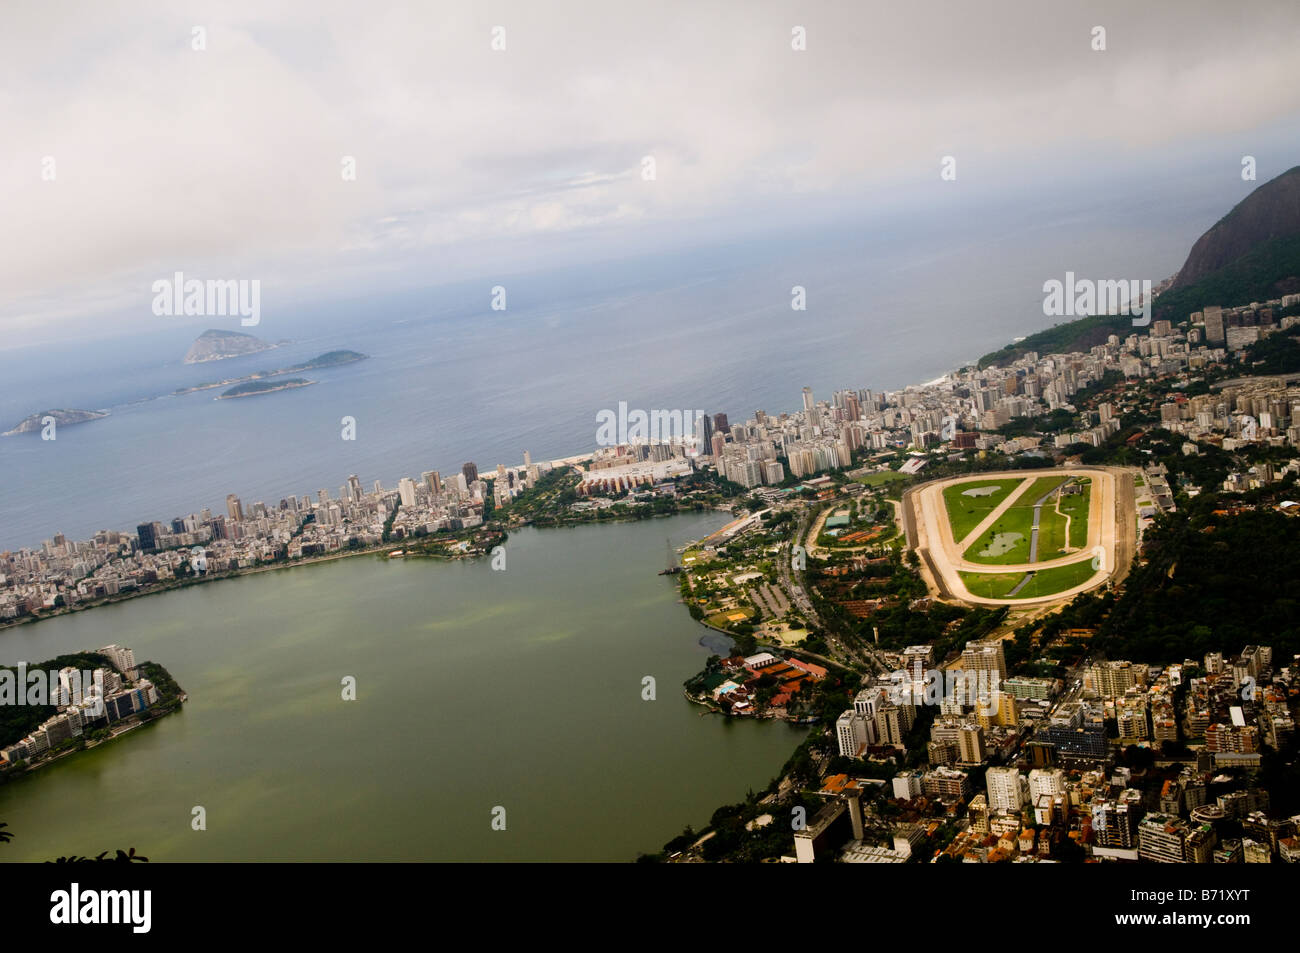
(148, 538)
(1113, 679)
(704, 433)
(985, 657)
(851, 733)
(123, 659)
(970, 744)
(916, 659)
(1005, 793)
(1214, 331)
(893, 722)
(1049, 781)
(1115, 822)
(1162, 838)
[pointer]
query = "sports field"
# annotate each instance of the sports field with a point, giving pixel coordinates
(881, 477)
(729, 617)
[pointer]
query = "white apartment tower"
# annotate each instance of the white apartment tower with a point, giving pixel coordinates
(1049, 781)
(851, 733)
(1004, 788)
(123, 659)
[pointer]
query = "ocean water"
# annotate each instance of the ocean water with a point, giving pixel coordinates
(450, 380)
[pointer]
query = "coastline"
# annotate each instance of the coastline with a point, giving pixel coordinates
(6, 777)
(166, 704)
(184, 584)
(189, 756)
(382, 549)
(572, 460)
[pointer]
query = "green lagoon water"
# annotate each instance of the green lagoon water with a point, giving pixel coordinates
(475, 689)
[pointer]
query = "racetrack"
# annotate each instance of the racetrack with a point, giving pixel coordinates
(929, 532)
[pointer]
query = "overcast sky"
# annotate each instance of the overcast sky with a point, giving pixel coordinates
(226, 162)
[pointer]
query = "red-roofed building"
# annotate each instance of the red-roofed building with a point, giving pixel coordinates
(816, 671)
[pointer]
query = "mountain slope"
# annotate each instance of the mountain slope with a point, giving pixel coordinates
(1269, 213)
(1251, 254)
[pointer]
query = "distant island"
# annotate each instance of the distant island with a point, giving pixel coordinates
(252, 388)
(62, 418)
(325, 360)
(328, 359)
(217, 345)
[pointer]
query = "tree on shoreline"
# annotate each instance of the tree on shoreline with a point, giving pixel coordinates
(121, 857)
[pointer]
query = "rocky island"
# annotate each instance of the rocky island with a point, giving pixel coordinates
(217, 345)
(62, 418)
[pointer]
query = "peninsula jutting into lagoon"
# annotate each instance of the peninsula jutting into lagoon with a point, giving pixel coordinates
(75, 702)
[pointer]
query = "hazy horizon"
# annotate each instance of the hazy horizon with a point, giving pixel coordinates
(474, 163)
